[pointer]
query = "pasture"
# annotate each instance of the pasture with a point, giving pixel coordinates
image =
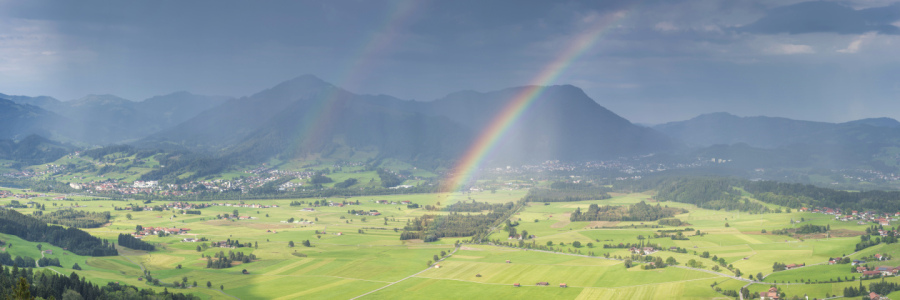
(352, 255)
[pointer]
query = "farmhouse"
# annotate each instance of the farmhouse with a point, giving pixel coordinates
(643, 251)
(870, 273)
(562, 285)
(771, 294)
(794, 266)
(543, 283)
(516, 284)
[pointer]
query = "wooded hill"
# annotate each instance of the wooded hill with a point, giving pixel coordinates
(726, 193)
(640, 211)
(72, 239)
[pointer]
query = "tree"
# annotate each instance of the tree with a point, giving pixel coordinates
(291, 244)
(235, 213)
(576, 244)
(737, 272)
(726, 225)
(128, 216)
(23, 290)
(222, 287)
(71, 294)
(76, 267)
(208, 284)
(39, 247)
(671, 261)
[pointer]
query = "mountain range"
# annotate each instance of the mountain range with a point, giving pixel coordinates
(307, 116)
(104, 119)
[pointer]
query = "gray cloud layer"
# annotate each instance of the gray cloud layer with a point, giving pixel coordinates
(656, 61)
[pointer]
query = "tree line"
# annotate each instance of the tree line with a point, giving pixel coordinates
(640, 211)
(567, 192)
(75, 218)
(127, 240)
(433, 227)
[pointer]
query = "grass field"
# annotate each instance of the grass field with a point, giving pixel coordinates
(344, 263)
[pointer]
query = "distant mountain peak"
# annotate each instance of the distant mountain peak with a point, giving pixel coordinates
(102, 99)
(303, 85)
(877, 122)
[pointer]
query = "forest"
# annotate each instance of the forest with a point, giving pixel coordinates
(640, 211)
(34, 230)
(127, 240)
(75, 218)
(567, 192)
(22, 283)
(726, 193)
(433, 227)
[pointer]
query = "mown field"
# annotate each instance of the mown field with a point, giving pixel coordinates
(353, 255)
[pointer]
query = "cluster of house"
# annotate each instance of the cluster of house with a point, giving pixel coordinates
(404, 202)
(254, 205)
(643, 250)
(861, 218)
(542, 283)
(304, 222)
(4, 194)
(878, 271)
(875, 296)
(186, 205)
(156, 230)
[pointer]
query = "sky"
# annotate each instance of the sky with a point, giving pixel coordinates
(653, 61)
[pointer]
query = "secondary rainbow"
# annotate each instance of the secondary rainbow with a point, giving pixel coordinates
(479, 150)
(321, 115)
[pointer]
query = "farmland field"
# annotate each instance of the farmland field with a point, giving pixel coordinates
(351, 255)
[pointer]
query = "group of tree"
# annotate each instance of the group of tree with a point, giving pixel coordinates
(474, 206)
(19, 261)
(76, 218)
(433, 227)
(34, 230)
(640, 211)
(346, 183)
(388, 178)
(220, 260)
(709, 193)
(127, 240)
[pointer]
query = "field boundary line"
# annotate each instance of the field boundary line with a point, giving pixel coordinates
(407, 277)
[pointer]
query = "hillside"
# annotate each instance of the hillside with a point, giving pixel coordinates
(785, 142)
(20, 120)
(306, 115)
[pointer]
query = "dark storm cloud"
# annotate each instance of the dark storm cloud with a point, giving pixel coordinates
(660, 61)
(819, 16)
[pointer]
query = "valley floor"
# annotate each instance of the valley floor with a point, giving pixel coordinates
(362, 257)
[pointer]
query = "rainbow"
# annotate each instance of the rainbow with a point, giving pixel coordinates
(479, 150)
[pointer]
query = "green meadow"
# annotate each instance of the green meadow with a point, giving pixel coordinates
(358, 255)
